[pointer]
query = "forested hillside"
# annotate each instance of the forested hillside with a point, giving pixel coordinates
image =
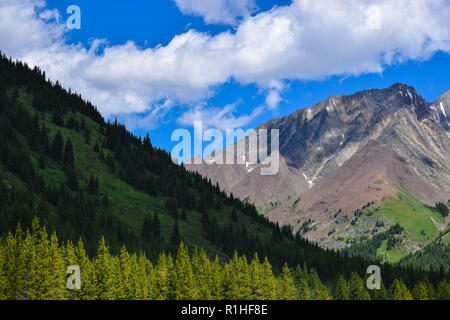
(85, 178)
(33, 266)
(435, 255)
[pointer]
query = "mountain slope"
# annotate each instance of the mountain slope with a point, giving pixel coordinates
(87, 178)
(345, 152)
(109, 182)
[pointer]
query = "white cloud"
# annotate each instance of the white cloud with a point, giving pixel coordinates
(219, 118)
(218, 11)
(306, 40)
(148, 120)
(22, 26)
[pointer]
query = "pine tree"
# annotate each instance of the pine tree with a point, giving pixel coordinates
(57, 268)
(342, 291)
(286, 287)
(202, 270)
(105, 273)
(147, 229)
(269, 282)
(72, 180)
(176, 238)
(357, 289)
(301, 283)
(88, 277)
(93, 186)
(142, 269)
(317, 289)
(15, 266)
(3, 278)
(38, 280)
(216, 280)
(160, 289)
(443, 290)
(237, 281)
(431, 292)
(156, 227)
(263, 283)
(68, 158)
(420, 291)
(57, 147)
(186, 288)
(380, 294)
(70, 259)
(124, 283)
(399, 291)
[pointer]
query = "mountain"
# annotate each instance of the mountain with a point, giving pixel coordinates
(87, 178)
(91, 182)
(351, 157)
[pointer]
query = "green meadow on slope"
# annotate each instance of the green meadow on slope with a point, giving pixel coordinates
(418, 225)
(420, 221)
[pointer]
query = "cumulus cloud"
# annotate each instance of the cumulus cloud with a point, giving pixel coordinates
(218, 11)
(25, 25)
(305, 40)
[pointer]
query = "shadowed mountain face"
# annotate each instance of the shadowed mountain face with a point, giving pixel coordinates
(344, 152)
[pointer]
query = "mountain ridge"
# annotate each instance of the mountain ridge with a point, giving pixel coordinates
(317, 141)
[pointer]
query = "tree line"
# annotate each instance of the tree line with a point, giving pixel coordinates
(33, 266)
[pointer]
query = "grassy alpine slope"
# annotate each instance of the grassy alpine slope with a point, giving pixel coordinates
(418, 227)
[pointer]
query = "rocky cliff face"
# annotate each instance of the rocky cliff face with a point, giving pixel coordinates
(335, 153)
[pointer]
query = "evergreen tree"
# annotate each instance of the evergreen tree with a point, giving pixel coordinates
(142, 269)
(431, 292)
(286, 287)
(156, 227)
(443, 290)
(201, 268)
(57, 147)
(176, 238)
(57, 268)
(237, 281)
(160, 289)
(357, 289)
(185, 284)
(380, 294)
(263, 283)
(420, 291)
(301, 283)
(15, 266)
(68, 158)
(342, 291)
(216, 280)
(105, 273)
(317, 289)
(3, 278)
(147, 229)
(399, 291)
(125, 276)
(88, 276)
(72, 181)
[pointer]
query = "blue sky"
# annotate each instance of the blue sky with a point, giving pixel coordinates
(255, 61)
